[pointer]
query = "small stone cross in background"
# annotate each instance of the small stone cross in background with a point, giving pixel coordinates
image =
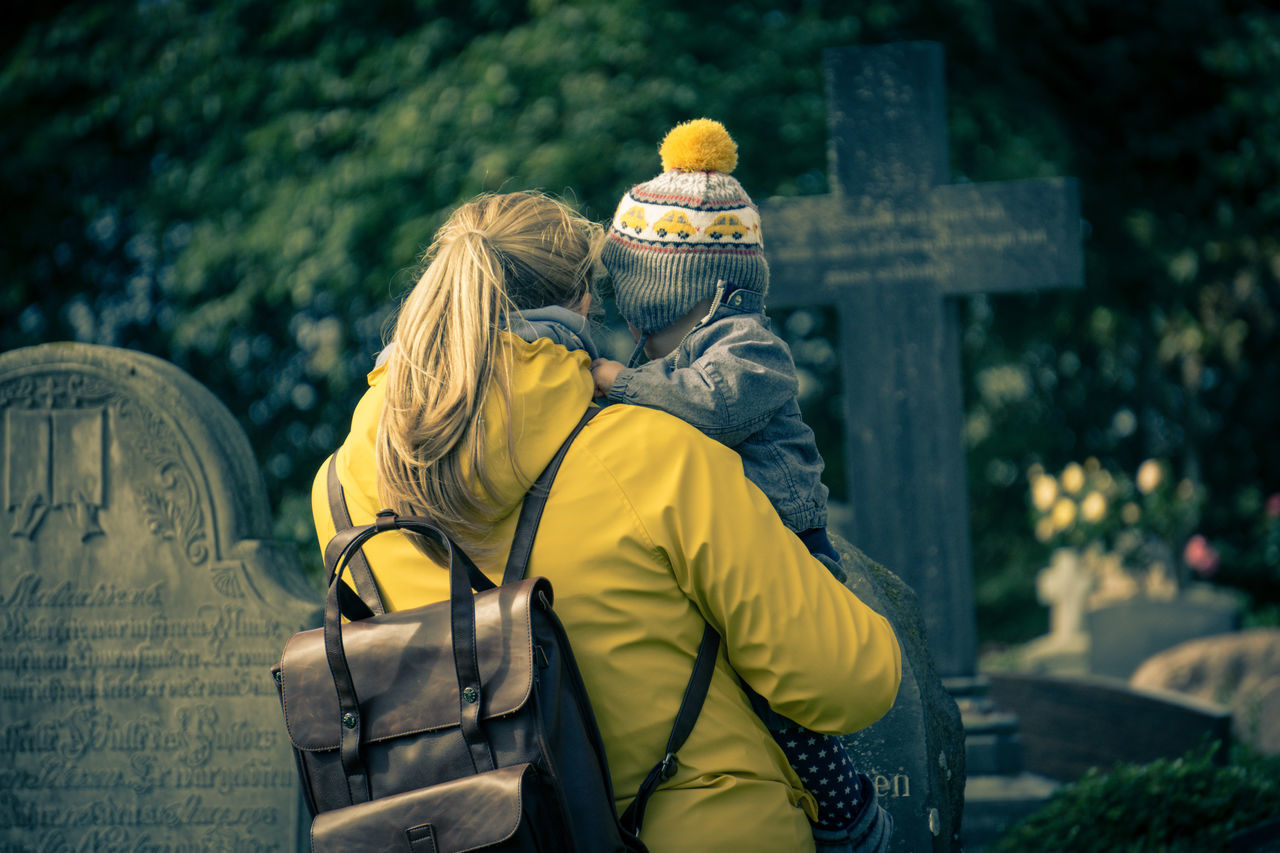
(1064, 586)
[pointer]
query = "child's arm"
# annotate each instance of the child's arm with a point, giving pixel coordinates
(741, 374)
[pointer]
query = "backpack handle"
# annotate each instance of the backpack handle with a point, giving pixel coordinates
(341, 600)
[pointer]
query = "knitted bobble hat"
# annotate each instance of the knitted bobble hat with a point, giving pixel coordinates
(674, 238)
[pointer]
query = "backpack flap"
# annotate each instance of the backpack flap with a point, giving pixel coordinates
(403, 669)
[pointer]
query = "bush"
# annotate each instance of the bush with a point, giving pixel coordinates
(1177, 805)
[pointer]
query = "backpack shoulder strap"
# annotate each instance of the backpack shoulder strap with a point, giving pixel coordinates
(704, 665)
(534, 502)
(366, 587)
(690, 706)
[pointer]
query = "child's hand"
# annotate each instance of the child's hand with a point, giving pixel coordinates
(604, 371)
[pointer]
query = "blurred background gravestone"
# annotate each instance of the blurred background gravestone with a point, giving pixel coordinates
(1240, 669)
(1069, 725)
(1123, 634)
(142, 609)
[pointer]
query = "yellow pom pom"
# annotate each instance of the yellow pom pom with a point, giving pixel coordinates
(701, 145)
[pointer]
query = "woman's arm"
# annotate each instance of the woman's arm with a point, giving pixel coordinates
(812, 648)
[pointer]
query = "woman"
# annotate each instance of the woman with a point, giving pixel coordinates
(649, 529)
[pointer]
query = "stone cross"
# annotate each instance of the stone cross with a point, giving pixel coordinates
(141, 608)
(1064, 585)
(891, 248)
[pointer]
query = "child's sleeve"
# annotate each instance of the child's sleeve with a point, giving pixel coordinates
(740, 376)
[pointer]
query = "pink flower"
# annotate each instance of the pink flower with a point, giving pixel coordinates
(1273, 505)
(1200, 556)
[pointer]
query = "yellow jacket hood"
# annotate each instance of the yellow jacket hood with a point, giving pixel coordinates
(550, 387)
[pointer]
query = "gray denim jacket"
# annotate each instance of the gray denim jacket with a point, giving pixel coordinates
(735, 380)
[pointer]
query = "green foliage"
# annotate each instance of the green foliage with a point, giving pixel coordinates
(1167, 351)
(1192, 804)
(244, 187)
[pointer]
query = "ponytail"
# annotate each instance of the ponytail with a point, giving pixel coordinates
(499, 252)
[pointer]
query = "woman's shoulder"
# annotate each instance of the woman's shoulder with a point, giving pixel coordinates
(621, 426)
(641, 443)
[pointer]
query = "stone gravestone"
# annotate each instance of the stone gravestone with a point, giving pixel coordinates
(1241, 670)
(915, 754)
(891, 248)
(1072, 724)
(142, 609)
(1124, 634)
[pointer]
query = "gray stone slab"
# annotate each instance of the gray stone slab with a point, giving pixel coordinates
(141, 608)
(1123, 635)
(915, 754)
(1068, 725)
(992, 804)
(1240, 670)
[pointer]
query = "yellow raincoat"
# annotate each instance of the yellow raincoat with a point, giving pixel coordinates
(651, 528)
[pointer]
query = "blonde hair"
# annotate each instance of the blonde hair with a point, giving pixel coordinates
(517, 250)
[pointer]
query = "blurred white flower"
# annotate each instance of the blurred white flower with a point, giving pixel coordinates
(1073, 478)
(1064, 513)
(1149, 476)
(1093, 507)
(1044, 491)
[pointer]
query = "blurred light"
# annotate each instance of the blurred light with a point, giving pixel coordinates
(1094, 507)
(1068, 363)
(238, 354)
(1186, 490)
(280, 466)
(31, 320)
(1044, 491)
(1149, 476)
(1073, 478)
(1064, 513)
(80, 318)
(303, 396)
(1123, 423)
(323, 437)
(1001, 472)
(801, 323)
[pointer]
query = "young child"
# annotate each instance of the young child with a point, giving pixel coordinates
(686, 257)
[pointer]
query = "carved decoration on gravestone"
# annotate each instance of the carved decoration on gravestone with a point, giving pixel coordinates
(141, 607)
